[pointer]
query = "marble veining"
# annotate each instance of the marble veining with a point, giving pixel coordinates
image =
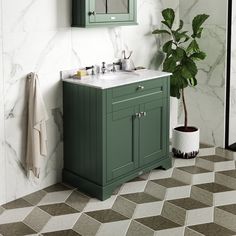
(47, 45)
(206, 101)
(232, 120)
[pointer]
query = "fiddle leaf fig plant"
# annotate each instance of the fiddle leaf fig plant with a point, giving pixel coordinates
(182, 51)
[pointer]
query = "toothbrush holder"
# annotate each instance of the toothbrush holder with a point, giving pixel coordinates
(127, 65)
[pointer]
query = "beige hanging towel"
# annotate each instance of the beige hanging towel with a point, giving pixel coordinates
(36, 133)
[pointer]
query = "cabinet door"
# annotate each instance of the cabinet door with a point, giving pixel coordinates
(122, 142)
(153, 131)
(108, 11)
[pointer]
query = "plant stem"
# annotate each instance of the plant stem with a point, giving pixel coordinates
(185, 111)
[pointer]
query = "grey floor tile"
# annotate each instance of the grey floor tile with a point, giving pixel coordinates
(15, 229)
(193, 170)
(77, 200)
(58, 209)
(1, 210)
(188, 203)
(214, 187)
(57, 187)
(214, 158)
(19, 203)
(62, 233)
(140, 198)
(169, 182)
(230, 173)
(212, 229)
(35, 198)
(157, 223)
(37, 219)
(204, 145)
(229, 208)
(106, 216)
(137, 179)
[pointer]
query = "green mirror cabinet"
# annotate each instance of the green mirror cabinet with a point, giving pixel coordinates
(92, 13)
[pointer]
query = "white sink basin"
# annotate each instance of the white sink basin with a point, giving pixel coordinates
(118, 75)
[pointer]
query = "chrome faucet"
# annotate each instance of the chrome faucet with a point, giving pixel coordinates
(104, 69)
(89, 68)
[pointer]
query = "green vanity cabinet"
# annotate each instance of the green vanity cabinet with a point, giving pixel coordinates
(114, 135)
(92, 13)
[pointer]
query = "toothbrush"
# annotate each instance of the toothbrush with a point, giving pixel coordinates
(130, 55)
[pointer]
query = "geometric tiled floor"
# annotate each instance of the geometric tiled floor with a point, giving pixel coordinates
(195, 197)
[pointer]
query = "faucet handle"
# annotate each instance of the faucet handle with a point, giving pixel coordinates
(103, 67)
(113, 67)
(89, 68)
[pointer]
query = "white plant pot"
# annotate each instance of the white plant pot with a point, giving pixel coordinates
(185, 144)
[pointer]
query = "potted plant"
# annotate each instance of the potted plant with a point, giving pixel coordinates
(182, 51)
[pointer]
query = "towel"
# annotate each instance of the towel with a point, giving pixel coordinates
(36, 127)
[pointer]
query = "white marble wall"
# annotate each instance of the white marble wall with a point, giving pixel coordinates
(232, 120)
(37, 37)
(2, 131)
(206, 101)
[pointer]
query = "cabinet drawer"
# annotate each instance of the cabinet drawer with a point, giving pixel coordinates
(128, 95)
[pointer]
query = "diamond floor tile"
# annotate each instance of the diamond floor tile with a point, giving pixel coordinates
(169, 182)
(211, 229)
(58, 209)
(213, 187)
(15, 229)
(230, 173)
(193, 170)
(157, 223)
(229, 208)
(140, 198)
(19, 203)
(57, 187)
(62, 233)
(197, 196)
(188, 203)
(106, 216)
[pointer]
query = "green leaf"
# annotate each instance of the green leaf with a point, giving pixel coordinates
(181, 25)
(193, 47)
(177, 82)
(186, 73)
(178, 53)
(161, 32)
(192, 82)
(197, 23)
(167, 48)
(169, 17)
(178, 36)
(169, 64)
(198, 56)
(165, 23)
(191, 66)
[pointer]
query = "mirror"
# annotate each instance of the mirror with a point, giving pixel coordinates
(112, 6)
(118, 6)
(100, 6)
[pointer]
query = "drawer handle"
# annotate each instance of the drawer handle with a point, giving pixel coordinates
(140, 87)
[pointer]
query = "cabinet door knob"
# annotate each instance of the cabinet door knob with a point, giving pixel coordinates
(92, 13)
(140, 87)
(143, 113)
(138, 115)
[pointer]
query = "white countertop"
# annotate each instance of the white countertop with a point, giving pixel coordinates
(115, 79)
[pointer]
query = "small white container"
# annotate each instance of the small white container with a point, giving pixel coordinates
(127, 65)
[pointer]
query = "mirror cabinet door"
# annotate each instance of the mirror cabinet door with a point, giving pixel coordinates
(101, 6)
(117, 6)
